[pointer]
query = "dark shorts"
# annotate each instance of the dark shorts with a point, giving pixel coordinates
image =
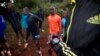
(35, 34)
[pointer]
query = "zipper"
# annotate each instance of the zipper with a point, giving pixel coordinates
(70, 24)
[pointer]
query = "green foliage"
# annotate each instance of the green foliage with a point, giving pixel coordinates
(34, 4)
(59, 7)
(23, 3)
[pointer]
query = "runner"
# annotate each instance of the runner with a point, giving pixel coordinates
(3, 44)
(55, 41)
(64, 25)
(33, 28)
(14, 18)
(24, 25)
(54, 21)
(40, 14)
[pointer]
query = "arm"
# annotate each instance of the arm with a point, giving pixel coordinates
(2, 24)
(59, 23)
(37, 18)
(19, 17)
(40, 14)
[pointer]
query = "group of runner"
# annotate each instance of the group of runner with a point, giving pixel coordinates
(31, 23)
(83, 30)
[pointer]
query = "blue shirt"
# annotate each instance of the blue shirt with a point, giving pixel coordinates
(24, 21)
(2, 26)
(64, 22)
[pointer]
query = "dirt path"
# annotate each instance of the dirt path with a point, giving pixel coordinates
(30, 50)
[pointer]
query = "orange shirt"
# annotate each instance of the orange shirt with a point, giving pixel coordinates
(54, 24)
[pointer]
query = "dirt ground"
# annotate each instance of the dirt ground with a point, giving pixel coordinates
(30, 50)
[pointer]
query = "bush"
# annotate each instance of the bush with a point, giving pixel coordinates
(23, 3)
(33, 4)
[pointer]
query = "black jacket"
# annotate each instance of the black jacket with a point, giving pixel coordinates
(14, 18)
(84, 32)
(33, 24)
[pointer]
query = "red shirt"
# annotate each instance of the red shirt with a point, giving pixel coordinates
(54, 24)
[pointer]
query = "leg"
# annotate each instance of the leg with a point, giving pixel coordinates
(58, 49)
(41, 26)
(37, 39)
(1, 48)
(21, 32)
(27, 34)
(24, 34)
(36, 36)
(64, 32)
(51, 50)
(5, 48)
(17, 34)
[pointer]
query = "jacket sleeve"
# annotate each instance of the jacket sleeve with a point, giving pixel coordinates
(37, 18)
(59, 23)
(2, 23)
(19, 17)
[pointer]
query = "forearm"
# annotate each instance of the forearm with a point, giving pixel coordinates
(36, 17)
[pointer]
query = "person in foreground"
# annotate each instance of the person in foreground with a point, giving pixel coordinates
(4, 49)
